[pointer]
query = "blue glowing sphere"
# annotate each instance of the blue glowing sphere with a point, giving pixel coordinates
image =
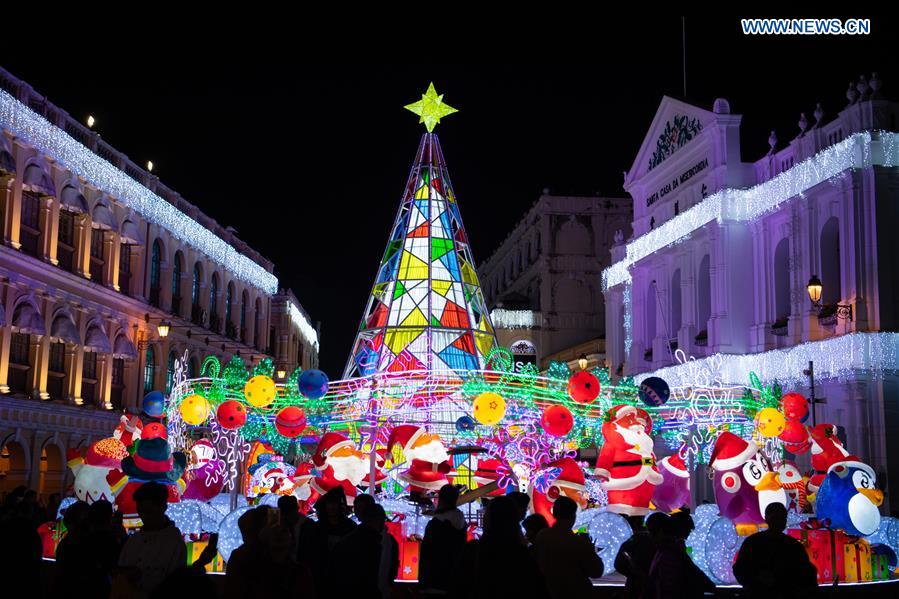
(312, 383)
(154, 404)
(654, 391)
(465, 424)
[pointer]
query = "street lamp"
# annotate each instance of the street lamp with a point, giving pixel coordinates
(163, 329)
(281, 374)
(815, 287)
(582, 362)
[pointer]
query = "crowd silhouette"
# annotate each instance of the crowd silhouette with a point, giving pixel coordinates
(349, 552)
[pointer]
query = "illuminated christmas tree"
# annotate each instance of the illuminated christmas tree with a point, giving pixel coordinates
(426, 310)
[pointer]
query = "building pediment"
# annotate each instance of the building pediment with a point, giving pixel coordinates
(676, 124)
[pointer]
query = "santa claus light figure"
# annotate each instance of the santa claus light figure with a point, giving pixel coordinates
(569, 482)
(427, 456)
(626, 465)
(341, 465)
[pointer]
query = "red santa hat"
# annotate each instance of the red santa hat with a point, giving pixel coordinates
(851, 461)
(330, 442)
(675, 465)
(731, 451)
(571, 476)
(406, 435)
(825, 437)
(107, 453)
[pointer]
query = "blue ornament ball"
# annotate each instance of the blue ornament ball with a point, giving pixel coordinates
(465, 424)
(312, 383)
(154, 404)
(654, 391)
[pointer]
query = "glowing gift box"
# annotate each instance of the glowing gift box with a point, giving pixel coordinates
(195, 548)
(857, 562)
(825, 550)
(880, 566)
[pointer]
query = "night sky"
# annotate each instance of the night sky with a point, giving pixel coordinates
(308, 161)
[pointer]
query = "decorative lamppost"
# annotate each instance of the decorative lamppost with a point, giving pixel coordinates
(815, 287)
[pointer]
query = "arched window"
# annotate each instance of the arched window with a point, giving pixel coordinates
(260, 334)
(229, 300)
(782, 281)
(155, 272)
(832, 293)
(675, 304)
(149, 369)
(214, 294)
(170, 373)
(195, 291)
(176, 283)
(192, 368)
(244, 300)
(704, 295)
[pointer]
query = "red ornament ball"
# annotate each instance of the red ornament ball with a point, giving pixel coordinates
(291, 421)
(795, 437)
(557, 421)
(154, 430)
(231, 414)
(795, 407)
(583, 387)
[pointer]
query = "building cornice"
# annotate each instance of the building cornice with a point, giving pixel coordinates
(38, 132)
(860, 150)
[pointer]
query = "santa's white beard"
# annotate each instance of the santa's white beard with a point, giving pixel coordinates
(434, 452)
(303, 492)
(349, 468)
(636, 437)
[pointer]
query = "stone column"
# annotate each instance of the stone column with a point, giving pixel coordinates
(112, 250)
(104, 381)
(49, 220)
(13, 223)
(74, 370)
(83, 245)
(5, 338)
(39, 351)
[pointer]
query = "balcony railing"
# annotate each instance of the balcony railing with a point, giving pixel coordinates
(702, 338)
(779, 327)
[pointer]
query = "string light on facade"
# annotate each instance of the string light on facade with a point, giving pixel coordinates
(514, 319)
(860, 150)
(301, 322)
(835, 358)
(23, 122)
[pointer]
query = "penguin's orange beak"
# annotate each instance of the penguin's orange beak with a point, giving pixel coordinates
(875, 496)
(770, 482)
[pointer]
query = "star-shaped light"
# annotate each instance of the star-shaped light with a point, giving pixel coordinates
(431, 108)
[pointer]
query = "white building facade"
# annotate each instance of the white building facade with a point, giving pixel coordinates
(96, 254)
(723, 251)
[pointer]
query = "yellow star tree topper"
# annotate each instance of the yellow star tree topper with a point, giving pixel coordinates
(431, 108)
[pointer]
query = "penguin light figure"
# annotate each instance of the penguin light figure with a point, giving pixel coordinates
(849, 499)
(745, 484)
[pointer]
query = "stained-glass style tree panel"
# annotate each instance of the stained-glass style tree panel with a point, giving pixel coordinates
(426, 309)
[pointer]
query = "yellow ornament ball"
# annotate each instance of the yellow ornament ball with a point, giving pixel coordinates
(194, 409)
(260, 391)
(489, 408)
(770, 422)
